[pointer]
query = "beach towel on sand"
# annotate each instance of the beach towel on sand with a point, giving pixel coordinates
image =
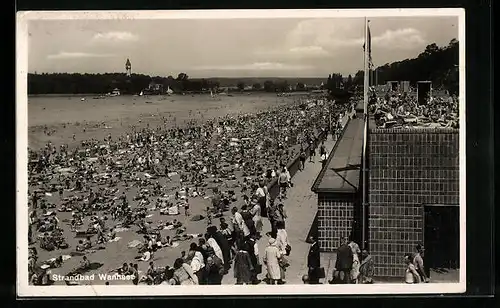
(197, 217)
(134, 243)
(120, 229)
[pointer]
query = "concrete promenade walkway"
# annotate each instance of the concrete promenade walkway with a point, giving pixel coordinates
(301, 206)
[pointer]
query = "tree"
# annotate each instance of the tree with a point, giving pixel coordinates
(269, 86)
(256, 86)
(182, 77)
(300, 86)
(349, 82)
(241, 85)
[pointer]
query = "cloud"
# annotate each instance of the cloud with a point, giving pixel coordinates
(77, 55)
(321, 32)
(293, 53)
(330, 35)
(309, 51)
(115, 37)
(407, 38)
(258, 66)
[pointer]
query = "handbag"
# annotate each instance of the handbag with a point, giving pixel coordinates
(321, 272)
(288, 249)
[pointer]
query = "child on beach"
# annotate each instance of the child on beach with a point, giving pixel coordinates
(186, 208)
(209, 216)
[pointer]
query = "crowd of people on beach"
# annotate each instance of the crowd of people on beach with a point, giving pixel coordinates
(402, 110)
(105, 187)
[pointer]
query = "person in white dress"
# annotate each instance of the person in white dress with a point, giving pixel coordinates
(355, 261)
(281, 238)
(213, 244)
(271, 258)
(256, 212)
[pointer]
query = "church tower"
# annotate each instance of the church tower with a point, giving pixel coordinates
(128, 68)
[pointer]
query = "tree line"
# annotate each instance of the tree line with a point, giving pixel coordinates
(75, 83)
(436, 64)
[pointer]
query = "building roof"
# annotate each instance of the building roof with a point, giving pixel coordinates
(343, 168)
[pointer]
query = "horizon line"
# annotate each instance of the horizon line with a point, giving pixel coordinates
(190, 77)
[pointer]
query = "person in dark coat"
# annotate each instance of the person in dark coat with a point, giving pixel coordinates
(250, 244)
(215, 268)
(243, 267)
(223, 244)
(313, 261)
(343, 264)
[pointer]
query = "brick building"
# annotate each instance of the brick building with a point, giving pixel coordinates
(413, 195)
(339, 187)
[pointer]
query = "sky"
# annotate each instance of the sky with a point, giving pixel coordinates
(205, 48)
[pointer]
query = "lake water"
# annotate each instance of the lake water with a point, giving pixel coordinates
(70, 115)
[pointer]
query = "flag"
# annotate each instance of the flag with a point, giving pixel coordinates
(370, 63)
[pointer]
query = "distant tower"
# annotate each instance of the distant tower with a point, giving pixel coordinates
(128, 68)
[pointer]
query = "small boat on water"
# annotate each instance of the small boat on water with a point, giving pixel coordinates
(82, 99)
(116, 92)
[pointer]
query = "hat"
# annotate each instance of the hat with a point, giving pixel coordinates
(272, 241)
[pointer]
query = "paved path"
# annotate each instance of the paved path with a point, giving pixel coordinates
(301, 207)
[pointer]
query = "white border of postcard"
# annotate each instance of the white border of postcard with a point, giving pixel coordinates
(25, 290)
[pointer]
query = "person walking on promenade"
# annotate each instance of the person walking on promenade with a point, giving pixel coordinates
(282, 238)
(343, 264)
(271, 258)
(313, 261)
(280, 215)
(366, 268)
(411, 274)
(253, 251)
(215, 268)
(322, 149)
(418, 261)
(266, 204)
(261, 196)
(243, 267)
(312, 151)
(283, 182)
(355, 260)
(257, 218)
(302, 159)
(223, 243)
(272, 215)
(240, 228)
(197, 265)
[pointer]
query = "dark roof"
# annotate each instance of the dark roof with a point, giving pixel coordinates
(343, 168)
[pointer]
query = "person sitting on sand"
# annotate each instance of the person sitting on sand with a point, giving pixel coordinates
(111, 234)
(148, 255)
(80, 247)
(168, 242)
(87, 244)
(84, 264)
(124, 269)
(209, 216)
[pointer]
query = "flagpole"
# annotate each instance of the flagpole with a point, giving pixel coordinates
(365, 101)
